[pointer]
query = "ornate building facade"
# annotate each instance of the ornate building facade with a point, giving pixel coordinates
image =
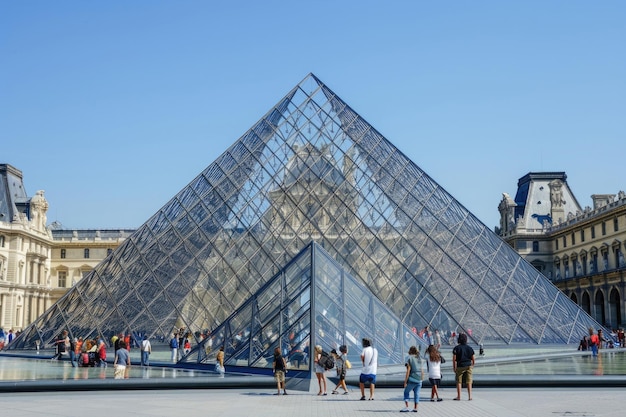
(39, 264)
(580, 250)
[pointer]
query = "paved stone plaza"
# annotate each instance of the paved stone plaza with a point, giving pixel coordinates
(54, 388)
(496, 402)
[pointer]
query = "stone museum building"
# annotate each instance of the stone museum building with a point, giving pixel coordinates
(39, 262)
(581, 250)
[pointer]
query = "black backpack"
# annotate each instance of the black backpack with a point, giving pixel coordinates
(326, 361)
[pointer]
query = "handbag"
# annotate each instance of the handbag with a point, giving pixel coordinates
(348, 364)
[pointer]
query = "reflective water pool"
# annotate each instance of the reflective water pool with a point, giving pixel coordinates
(543, 361)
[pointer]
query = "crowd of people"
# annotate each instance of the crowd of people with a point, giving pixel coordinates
(92, 352)
(596, 341)
(418, 367)
(88, 352)
(6, 338)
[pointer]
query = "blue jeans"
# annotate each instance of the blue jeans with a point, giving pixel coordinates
(73, 359)
(594, 350)
(415, 387)
(145, 358)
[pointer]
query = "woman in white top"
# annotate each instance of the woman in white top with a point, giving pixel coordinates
(433, 362)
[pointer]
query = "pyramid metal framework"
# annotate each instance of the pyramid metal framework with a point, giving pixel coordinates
(313, 170)
(312, 299)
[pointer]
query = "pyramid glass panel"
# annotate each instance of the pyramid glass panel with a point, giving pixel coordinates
(312, 169)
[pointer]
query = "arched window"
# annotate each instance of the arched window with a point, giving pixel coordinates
(586, 303)
(573, 297)
(615, 309)
(598, 307)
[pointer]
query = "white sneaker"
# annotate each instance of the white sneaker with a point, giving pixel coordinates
(405, 410)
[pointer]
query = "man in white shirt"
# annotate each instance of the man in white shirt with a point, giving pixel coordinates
(369, 358)
(146, 350)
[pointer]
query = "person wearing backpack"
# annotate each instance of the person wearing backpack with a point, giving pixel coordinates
(320, 368)
(340, 365)
(413, 379)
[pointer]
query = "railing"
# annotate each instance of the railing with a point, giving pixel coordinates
(588, 215)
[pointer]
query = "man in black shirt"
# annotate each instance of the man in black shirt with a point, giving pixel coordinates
(462, 363)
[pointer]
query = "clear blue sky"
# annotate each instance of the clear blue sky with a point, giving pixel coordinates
(112, 107)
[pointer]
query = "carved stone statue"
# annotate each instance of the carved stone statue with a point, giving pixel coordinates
(556, 193)
(507, 213)
(38, 211)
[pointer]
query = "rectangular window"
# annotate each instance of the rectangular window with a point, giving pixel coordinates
(573, 239)
(603, 228)
(564, 242)
(615, 225)
(535, 246)
(62, 279)
(594, 263)
(63, 253)
(556, 241)
(593, 232)
(86, 254)
(582, 235)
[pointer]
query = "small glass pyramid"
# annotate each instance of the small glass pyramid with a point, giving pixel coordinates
(312, 301)
(313, 170)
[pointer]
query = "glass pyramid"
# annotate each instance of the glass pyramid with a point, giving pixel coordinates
(312, 301)
(313, 170)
